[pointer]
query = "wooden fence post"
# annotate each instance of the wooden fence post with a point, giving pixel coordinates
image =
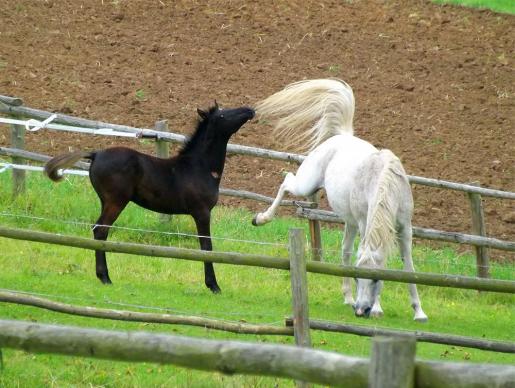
(392, 363)
(18, 142)
(162, 147)
(315, 234)
(163, 151)
(478, 228)
(299, 288)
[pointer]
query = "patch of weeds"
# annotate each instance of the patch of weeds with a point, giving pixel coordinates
(140, 95)
(146, 141)
(435, 141)
(334, 68)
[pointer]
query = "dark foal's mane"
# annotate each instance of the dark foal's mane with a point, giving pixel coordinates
(199, 135)
(187, 183)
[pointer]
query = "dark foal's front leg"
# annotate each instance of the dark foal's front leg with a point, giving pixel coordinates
(100, 232)
(204, 231)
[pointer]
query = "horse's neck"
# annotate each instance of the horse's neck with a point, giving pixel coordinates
(211, 153)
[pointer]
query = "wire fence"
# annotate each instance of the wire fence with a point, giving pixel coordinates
(142, 230)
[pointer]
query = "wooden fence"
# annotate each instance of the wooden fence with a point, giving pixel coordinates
(392, 362)
(304, 365)
(250, 328)
(429, 279)
(14, 108)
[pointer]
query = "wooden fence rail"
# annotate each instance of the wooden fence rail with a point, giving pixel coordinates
(227, 357)
(136, 316)
(21, 111)
(264, 261)
(429, 234)
(248, 328)
(232, 357)
(306, 209)
(421, 336)
(13, 152)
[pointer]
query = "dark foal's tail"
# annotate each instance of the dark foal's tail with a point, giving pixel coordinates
(53, 166)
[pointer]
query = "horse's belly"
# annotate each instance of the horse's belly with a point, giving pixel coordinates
(340, 181)
(338, 197)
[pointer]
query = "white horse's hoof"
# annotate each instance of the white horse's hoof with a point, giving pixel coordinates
(349, 301)
(376, 313)
(421, 317)
(258, 220)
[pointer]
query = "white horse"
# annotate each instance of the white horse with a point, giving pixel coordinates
(366, 187)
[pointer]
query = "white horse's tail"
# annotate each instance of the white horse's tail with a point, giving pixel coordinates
(308, 112)
(380, 233)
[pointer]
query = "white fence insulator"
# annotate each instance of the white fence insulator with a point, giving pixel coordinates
(7, 166)
(35, 125)
(38, 124)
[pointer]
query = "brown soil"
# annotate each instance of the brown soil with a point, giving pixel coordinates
(433, 83)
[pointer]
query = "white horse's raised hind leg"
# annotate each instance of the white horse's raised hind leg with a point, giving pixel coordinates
(348, 241)
(307, 181)
(405, 248)
(268, 214)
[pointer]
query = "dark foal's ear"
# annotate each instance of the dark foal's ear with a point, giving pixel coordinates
(216, 105)
(203, 114)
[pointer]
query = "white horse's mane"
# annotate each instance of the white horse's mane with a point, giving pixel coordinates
(306, 113)
(380, 233)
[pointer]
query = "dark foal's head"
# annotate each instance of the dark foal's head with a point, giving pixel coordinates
(216, 123)
(225, 121)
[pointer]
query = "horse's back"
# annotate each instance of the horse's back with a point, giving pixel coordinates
(115, 161)
(117, 171)
(342, 170)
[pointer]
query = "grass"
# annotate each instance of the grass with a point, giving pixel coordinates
(504, 6)
(251, 294)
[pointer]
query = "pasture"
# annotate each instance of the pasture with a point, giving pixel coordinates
(505, 6)
(433, 83)
(248, 294)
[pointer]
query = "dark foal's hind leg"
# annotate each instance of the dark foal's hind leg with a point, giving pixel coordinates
(110, 213)
(202, 220)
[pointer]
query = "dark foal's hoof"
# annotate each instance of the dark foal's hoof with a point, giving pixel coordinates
(106, 281)
(215, 289)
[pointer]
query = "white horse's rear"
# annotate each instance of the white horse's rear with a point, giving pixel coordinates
(307, 113)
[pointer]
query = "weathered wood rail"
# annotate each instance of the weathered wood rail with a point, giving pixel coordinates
(430, 279)
(421, 336)
(13, 152)
(429, 234)
(22, 111)
(136, 316)
(249, 328)
(232, 357)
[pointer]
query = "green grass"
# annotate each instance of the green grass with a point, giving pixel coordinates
(504, 6)
(252, 294)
